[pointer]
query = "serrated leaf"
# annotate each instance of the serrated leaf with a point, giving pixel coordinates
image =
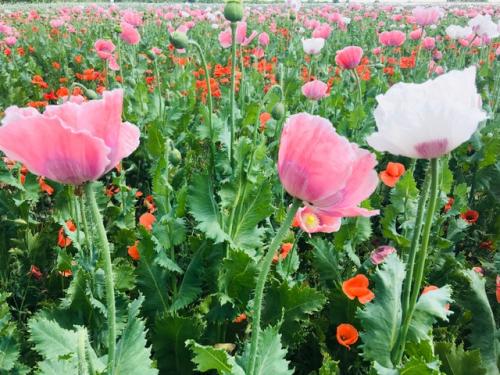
(205, 210)
(430, 306)
(132, 355)
(51, 340)
(208, 358)
(238, 276)
(381, 318)
(326, 261)
(456, 361)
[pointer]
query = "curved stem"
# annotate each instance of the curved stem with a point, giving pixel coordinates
(421, 258)
(210, 105)
(261, 282)
(232, 93)
(108, 271)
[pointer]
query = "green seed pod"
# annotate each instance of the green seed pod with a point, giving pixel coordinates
(278, 111)
(233, 11)
(293, 16)
(179, 40)
(174, 156)
(91, 94)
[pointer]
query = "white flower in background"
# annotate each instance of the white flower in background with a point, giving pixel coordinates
(430, 119)
(484, 26)
(458, 32)
(294, 5)
(313, 46)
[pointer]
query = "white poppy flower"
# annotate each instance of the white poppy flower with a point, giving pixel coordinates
(313, 46)
(484, 26)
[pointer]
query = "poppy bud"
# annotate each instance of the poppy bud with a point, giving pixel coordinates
(179, 40)
(278, 111)
(233, 11)
(174, 156)
(292, 16)
(91, 94)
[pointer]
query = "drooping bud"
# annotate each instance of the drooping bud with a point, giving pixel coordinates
(233, 11)
(278, 111)
(179, 40)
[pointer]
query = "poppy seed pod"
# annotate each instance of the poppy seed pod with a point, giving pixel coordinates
(292, 16)
(179, 40)
(278, 111)
(233, 11)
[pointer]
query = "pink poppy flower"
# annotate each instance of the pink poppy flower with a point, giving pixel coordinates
(225, 38)
(70, 143)
(241, 38)
(393, 38)
(429, 43)
(349, 57)
(427, 16)
(324, 169)
(311, 220)
(113, 64)
(315, 90)
(10, 41)
(264, 39)
(380, 253)
(129, 34)
(104, 48)
(416, 34)
(322, 31)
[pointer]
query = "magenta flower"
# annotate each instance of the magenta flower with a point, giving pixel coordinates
(416, 34)
(311, 220)
(104, 48)
(315, 90)
(264, 39)
(349, 57)
(71, 143)
(393, 38)
(323, 169)
(241, 38)
(322, 31)
(429, 43)
(427, 16)
(380, 253)
(129, 34)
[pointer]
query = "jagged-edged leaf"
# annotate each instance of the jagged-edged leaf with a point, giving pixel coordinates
(169, 337)
(483, 333)
(190, 287)
(381, 318)
(270, 354)
(255, 207)
(205, 210)
(208, 358)
(456, 361)
(132, 355)
(326, 261)
(151, 279)
(52, 341)
(418, 366)
(294, 304)
(9, 345)
(329, 366)
(238, 276)
(430, 306)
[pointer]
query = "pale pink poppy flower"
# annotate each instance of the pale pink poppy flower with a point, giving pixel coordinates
(314, 90)
(241, 34)
(132, 18)
(376, 51)
(427, 16)
(323, 169)
(258, 52)
(380, 253)
(104, 48)
(113, 64)
(322, 31)
(437, 55)
(264, 39)
(56, 23)
(311, 220)
(313, 46)
(70, 143)
(349, 57)
(129, 34)
(10, 40)
(416, 34)
(458, 32)
(225, 38)
(430, 119)
(393, 38)
(429, 43)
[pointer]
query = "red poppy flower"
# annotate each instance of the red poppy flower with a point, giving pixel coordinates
(357, 287)
(133, 252)
(392, 173)
(470, 216)
(147, 220)
(347, 335)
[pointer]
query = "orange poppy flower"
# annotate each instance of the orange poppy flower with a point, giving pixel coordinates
(62, 240)
(44, 186)
(133, 252)
(347, 335)
(147, 220)
(285, 249)
(357, 287)
(392, 173)
(470, 216)
(264, 118)
(240, 318)
(449, 204)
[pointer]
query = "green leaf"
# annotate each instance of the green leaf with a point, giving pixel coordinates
(52, 341)
(208, 358)
(169, 337)
(381, 318)
(430, 306)
(329, 366)
(326, 261)
(132, 355)
(9, 346)
(237, 276)
(270, 354)
(483, 332)
(205, 210)
(456, 361)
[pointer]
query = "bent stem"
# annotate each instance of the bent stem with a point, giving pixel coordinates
(210, 106)
(420, 262)
(232, 93)
(261, 282)
(108, 271)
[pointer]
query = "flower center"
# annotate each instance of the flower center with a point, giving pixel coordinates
(432, 149)
(311, 221)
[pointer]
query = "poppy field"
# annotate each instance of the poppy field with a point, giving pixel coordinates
(249, 189)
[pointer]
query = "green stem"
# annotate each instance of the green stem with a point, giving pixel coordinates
(210, 105)
(261, 282)
(85, 224)
(421, 258)
(108, 271)
(82, 360)
(232, 93)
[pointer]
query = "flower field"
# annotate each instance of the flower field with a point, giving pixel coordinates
(250, 189)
